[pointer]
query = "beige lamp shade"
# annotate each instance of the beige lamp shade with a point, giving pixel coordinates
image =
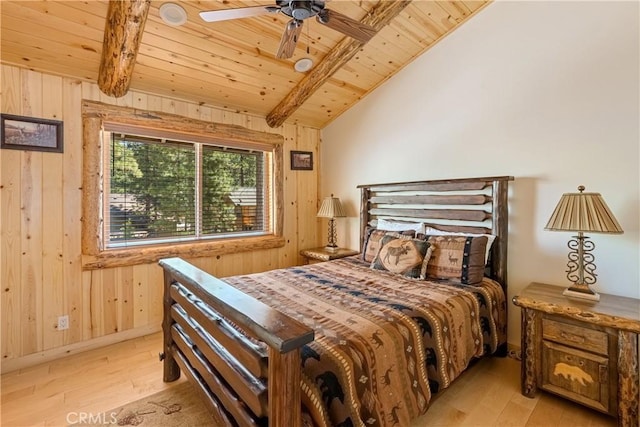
(585, 212)
(331, 208)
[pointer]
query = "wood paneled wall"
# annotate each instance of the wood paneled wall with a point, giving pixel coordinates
(40, 227)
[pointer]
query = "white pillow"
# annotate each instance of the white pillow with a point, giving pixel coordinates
(490, 238)
(387, 225)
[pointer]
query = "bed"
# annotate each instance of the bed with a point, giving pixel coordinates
(363, 340)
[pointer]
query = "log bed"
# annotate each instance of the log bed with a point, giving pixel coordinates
(245, 357)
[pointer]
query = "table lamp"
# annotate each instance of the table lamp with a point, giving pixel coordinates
(331, 208)
(582, 212)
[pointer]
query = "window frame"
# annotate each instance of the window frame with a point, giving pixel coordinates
(95, 115)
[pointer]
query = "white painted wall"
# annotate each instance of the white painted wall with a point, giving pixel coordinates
(545, 91)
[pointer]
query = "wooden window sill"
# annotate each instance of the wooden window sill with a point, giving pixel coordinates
(151, 254)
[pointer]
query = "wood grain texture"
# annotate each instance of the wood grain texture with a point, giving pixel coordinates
(530, 352)
(248, 354)
(127, 257)
(248, 388)
(379, 16)
(228, 65)
(614, 311)
(133, 305)
(587, 378)
(493, 218)
(451, 214)
(213, 404)
(500, 227)
(284, 388)
(264, 323)
(433, 200)
(91, 186)
(71, 193)
(322, 254)
(289, 39)
(629, 378)
(176, 125)
(487, 394)
(123, 31)
(190, 293)
(592, 345)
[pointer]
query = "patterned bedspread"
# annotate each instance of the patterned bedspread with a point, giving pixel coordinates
(383, 343)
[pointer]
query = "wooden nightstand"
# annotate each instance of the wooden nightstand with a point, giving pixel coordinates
(322, 254)
(586, 351)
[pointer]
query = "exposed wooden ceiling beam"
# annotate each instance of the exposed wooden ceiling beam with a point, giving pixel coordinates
(122, 34)
(378, 17)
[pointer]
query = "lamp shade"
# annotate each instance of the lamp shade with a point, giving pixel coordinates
(331, 208)
(586, 212)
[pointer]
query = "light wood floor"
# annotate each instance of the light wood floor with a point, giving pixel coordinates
(488, 394)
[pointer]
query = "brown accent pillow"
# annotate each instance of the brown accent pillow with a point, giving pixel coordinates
(373, 238)
(402, 255)
(457, 258)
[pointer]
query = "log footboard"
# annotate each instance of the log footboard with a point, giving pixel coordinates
(242, 356)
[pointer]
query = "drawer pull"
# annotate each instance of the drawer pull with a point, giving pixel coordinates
(603, 372)
(573, 338)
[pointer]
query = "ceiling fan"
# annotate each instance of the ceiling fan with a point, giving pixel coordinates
(298, 11)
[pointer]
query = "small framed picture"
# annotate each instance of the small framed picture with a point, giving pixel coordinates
(28, 133)
(302, 160)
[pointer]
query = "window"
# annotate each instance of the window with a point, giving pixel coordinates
(160, 185)
(170, 191)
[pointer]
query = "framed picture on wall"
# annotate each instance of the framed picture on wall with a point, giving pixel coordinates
(29, 133)
(302, 160)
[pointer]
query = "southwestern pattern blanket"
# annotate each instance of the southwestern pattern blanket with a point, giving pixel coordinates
(383, 342)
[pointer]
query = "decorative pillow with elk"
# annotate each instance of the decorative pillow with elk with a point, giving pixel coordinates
(373, 241)
(404, 256)
(457, 258)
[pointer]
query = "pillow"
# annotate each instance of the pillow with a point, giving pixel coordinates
(457, 258)
(389, 225)
(372, 238)
(403, 255)
(490, 238)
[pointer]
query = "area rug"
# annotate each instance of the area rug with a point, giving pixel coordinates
(179, 405)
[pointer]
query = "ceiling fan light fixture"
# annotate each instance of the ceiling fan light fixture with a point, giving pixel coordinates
(303, 65)
(301, 10)
(173, 14)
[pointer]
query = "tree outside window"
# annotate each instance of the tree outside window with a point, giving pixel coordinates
(170, 190)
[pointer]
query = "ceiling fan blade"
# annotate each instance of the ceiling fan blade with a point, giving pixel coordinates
(243, 12)
(289, 39)
(344, 24)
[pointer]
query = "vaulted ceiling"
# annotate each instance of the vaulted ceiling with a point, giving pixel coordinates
(232, 64)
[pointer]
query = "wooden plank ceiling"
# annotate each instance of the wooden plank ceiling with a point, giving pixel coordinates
(229, 64)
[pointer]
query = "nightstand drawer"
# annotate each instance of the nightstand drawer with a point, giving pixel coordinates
(578, 375)
(575, 336)
(585, 351)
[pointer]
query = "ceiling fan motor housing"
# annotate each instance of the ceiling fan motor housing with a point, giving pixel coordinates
(299, 9)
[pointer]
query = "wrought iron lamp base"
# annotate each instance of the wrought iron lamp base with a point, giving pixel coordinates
(581, 269)
(331, 245)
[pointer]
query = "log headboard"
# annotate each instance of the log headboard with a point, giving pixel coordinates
(471, 205)
(211, 328)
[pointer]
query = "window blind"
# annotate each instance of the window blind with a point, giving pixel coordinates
(164, 190)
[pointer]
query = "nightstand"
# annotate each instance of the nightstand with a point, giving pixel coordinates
(586, 351)
(322, 254)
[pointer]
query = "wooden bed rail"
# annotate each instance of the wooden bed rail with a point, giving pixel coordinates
(243, 356)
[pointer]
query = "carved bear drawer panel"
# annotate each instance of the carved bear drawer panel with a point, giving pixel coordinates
(586, 351)
(576, 364)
